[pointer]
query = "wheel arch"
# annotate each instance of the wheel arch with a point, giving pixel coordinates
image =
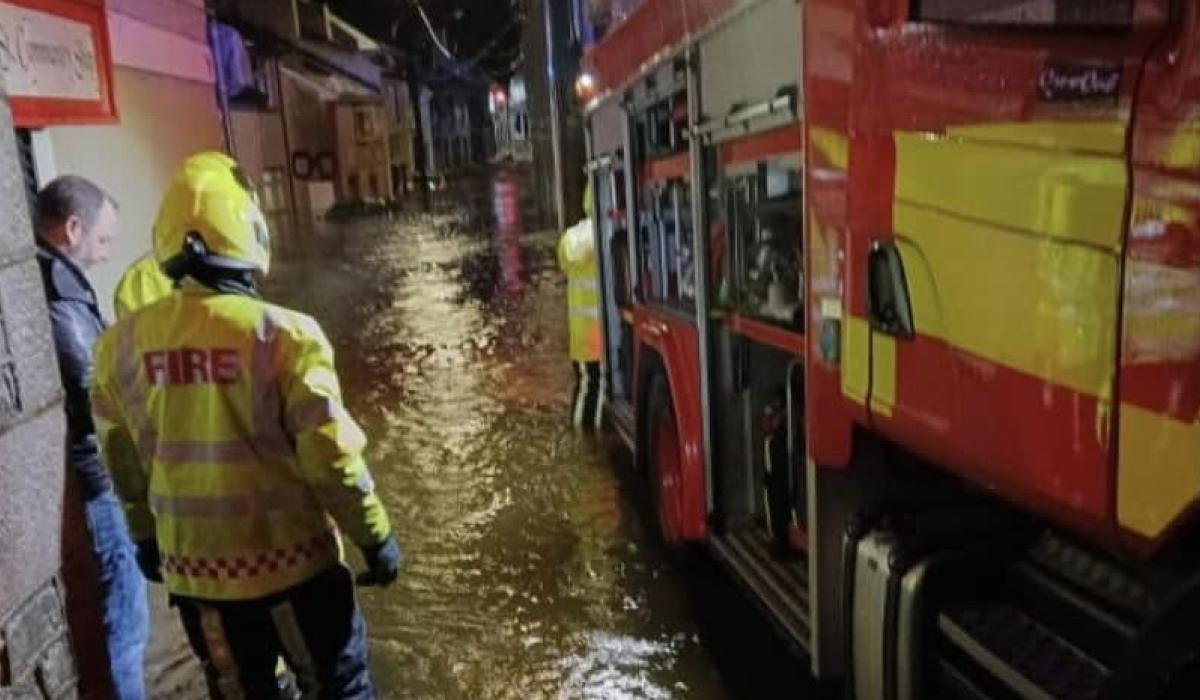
(669, 358)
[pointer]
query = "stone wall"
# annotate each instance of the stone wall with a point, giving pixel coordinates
(35, 653)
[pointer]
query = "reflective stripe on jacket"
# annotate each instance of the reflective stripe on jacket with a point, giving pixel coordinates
(577, 259)
(142, 284)
(222, 419)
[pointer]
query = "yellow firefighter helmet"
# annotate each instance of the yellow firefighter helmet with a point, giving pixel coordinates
(210, 211)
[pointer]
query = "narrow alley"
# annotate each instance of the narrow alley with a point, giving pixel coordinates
(529, 572)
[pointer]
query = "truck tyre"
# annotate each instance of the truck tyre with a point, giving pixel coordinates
(665, 460)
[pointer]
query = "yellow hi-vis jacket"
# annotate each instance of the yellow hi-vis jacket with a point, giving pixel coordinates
(142, 284)
(577, 259)
(221, 420)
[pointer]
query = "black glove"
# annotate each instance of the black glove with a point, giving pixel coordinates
(383, 563)
(148, 560)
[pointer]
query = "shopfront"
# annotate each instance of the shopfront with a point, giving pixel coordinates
(118, 92)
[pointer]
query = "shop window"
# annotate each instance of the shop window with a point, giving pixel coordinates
(756, 241)
(1036, 13)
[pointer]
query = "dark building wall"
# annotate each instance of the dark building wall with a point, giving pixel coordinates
(538, 97)
(538, 71)
(37, 537)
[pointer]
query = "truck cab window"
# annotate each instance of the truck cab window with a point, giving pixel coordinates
(1079, 14)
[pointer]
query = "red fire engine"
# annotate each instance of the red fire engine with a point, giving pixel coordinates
(902, 320)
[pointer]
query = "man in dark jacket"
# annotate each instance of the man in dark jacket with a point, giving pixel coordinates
(76, 224)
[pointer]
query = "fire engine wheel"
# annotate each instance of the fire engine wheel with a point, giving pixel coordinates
(665, 461)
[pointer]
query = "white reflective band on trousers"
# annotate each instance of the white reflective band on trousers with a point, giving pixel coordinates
(589, 395)
(581, 395)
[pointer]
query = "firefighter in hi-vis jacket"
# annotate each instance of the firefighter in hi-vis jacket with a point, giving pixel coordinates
(577, 260)
(221, 416)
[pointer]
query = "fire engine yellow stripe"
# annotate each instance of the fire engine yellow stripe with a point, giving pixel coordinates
(856, 349)
(1012, 250)
(866, 368)
(1102, 137)
(1037, 305)
(1159, 471)
(832, 146)
(883, 374)
(1064, 194)
(1182, 151)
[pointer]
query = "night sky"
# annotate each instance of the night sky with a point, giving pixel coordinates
(486, 31)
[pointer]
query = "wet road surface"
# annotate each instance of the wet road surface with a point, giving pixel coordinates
(529, 572)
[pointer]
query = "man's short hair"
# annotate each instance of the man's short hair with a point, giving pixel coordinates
(67, 196)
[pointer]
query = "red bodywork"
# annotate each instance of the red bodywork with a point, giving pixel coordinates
(869, 75)
(677, 343)
(1160, 351)
(654, 29)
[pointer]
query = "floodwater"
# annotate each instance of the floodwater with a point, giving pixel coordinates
(529, 571)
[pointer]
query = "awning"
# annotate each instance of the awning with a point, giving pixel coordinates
(333, 58)
(351, 64)
(326, 86)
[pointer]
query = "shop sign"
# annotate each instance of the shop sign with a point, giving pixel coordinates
(55, 62)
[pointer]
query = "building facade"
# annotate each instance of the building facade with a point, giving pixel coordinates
(313, 123)
(555, 117)
(162, 110)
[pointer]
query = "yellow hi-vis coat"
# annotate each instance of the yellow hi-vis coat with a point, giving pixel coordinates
(577, 259)
(221, 420)
(142, 284)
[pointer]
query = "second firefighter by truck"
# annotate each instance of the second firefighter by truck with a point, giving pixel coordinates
(577, 260)
(222, 419)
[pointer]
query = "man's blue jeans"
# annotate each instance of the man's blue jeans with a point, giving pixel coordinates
(126, 613)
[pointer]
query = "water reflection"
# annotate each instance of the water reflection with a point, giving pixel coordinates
(527, 575)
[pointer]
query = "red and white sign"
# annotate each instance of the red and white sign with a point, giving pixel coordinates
(55, 62)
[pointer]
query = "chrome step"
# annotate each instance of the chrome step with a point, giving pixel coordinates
(780, 585)
(1096, 630)
(1093, 575)
(1023, 655)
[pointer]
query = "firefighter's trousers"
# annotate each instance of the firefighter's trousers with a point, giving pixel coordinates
(316, 627)
(587, 401)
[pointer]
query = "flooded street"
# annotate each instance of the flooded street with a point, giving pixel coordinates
(529, 573)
